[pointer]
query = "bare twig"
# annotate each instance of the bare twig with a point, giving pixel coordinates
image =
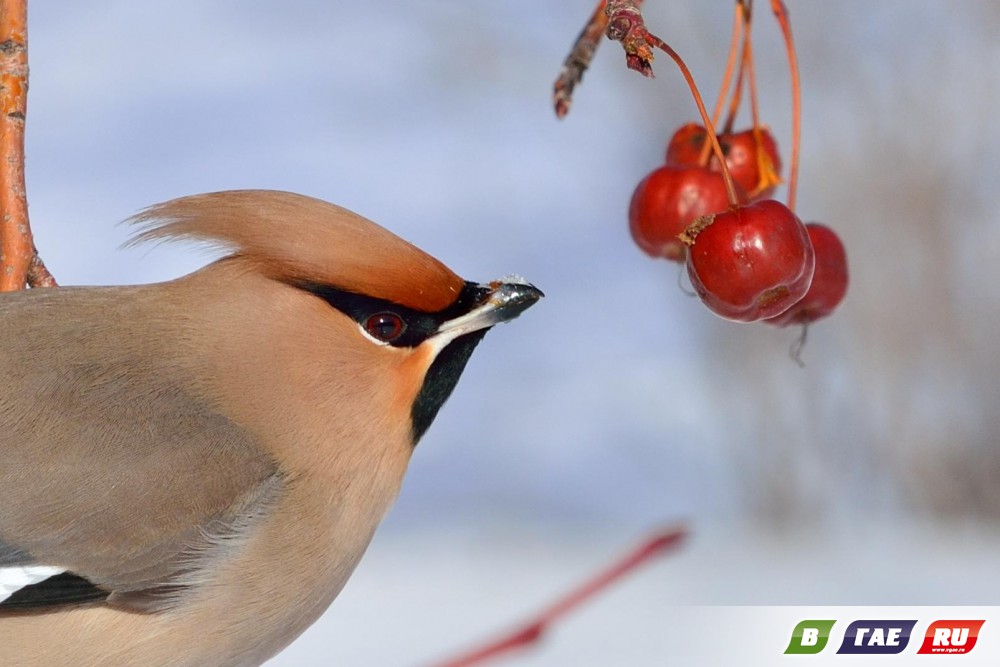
(578, 60)
(531, 632)
(625, 25)
(620, 20)
(18, 256)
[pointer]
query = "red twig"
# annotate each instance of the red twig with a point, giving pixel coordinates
(531, 632)
(19, 261)
(578, 60)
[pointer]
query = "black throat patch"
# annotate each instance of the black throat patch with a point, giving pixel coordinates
(441, 379)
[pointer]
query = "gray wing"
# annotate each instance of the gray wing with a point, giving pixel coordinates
(112, 468)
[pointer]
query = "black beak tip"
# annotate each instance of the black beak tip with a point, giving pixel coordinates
(513, 298)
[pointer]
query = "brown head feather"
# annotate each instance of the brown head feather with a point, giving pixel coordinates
(297, 238)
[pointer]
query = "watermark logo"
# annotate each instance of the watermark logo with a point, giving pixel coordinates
(810, 637)
(954, 637)
(877, 637)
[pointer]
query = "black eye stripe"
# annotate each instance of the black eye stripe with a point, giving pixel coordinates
(418, 326)
(447, 366)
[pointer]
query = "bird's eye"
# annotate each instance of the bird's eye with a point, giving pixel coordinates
(385, 326)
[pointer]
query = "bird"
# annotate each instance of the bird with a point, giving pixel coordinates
(192, 469)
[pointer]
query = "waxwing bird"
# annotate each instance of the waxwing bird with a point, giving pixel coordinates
(191, 470)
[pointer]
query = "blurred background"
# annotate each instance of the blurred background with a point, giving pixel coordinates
(619, 404)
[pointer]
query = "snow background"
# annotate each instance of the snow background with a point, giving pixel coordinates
(618, 404)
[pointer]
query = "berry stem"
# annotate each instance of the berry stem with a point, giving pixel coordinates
(656, 42)
(799, 345)
(530, 632)
(764, 166)
(781, 14)
(751, 73)
(737, 98)
(727, 79)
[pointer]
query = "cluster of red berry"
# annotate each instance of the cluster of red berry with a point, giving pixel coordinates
(754, 260)
(749, 257)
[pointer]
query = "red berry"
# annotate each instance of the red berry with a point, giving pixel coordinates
(757, 171)
(686, 146)
(753, 163)
(829, 283)
(750, 262)
(667, 201)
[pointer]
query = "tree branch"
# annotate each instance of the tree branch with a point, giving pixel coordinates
(532, 631)
(19, 261)
(579, 59)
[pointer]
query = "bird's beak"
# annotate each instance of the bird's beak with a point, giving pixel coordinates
(461, 328)
(499, 301)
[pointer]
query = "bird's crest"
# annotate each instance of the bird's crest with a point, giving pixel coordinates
(293, 238)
